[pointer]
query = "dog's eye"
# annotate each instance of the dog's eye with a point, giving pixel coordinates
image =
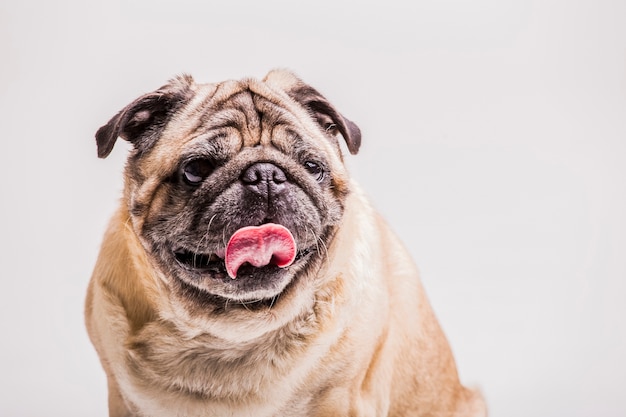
(194, 172)
(315, 169)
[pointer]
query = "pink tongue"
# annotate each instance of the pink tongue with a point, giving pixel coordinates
(260, 246)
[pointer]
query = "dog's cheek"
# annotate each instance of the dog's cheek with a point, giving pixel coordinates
(162, 215)
(330, 199)
(340, 187)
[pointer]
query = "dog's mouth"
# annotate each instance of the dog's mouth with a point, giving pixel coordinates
(258, 263)
(201, 262)
(216, 265)
(264, 247)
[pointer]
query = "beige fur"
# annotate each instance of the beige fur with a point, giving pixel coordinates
(358, 340)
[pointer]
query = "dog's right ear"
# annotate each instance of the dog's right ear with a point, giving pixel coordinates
(142, 121)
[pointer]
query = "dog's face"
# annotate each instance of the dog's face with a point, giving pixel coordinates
(234, 189)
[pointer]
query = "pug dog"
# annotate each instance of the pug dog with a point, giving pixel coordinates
(246, 274)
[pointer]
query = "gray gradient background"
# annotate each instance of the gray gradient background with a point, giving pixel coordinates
(494, 140)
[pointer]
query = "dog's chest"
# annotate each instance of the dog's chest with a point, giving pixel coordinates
(207, 375)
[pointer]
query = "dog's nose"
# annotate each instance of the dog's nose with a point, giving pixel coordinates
(264, 178)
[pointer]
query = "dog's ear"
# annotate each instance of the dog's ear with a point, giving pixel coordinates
(331, 121)
(327, 116)
(142, 121)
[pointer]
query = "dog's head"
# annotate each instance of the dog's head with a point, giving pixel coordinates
(234, 189)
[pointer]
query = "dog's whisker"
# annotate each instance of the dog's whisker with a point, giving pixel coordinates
(206, 235)
(321, 241)
(308, 231)
(316, 239)
(224, 237)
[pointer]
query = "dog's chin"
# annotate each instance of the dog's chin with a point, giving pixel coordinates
(205, 275)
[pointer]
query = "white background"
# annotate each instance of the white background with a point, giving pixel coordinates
(494, 141)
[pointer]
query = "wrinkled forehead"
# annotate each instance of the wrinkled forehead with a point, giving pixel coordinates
(249, 106)
(250, 112)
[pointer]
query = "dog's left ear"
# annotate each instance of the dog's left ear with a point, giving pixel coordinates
(142, 121)
(331, 121)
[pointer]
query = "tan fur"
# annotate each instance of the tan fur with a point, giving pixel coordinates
(359, 340)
